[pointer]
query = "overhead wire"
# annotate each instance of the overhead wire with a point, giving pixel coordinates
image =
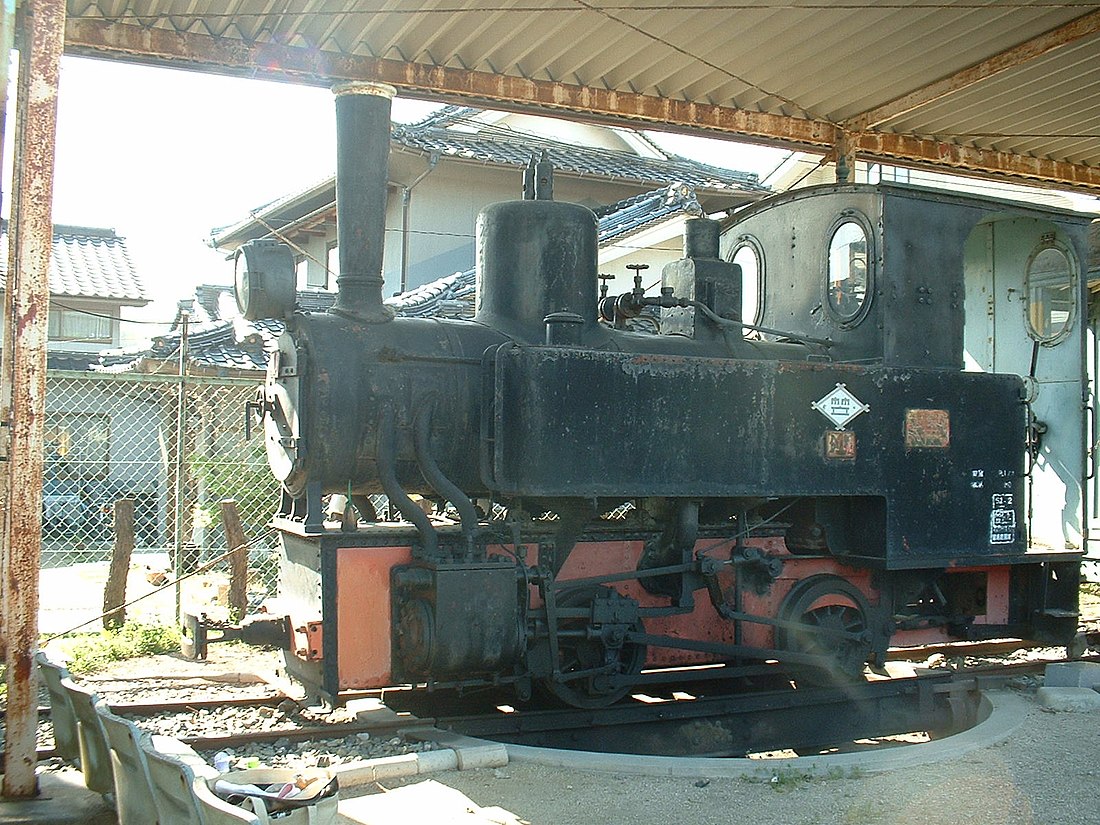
(54, 302)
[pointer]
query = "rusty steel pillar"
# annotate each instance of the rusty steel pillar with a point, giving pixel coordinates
(845, 151)
(42, 35)
(7, 37)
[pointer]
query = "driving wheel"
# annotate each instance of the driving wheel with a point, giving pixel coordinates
(832, 619)
(586, 645)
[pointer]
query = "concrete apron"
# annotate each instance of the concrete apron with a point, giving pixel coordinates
(1001, 714)
(62, 799)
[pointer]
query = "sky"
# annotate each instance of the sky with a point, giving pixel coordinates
(163, 156)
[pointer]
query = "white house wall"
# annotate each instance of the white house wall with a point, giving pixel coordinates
(111, 310)
(443, 215)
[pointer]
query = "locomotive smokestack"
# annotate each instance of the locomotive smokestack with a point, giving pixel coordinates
(362, 169)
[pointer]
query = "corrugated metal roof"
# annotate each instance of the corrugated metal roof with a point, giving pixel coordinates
(87, 263)
(1023, 70)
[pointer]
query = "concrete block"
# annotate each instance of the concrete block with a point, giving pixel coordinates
(352, 774)
(395, 767)
(444, 759)
(1069, 699)
(484, 755)
(1072, 674)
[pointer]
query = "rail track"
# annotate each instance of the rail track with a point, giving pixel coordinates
(707, 722)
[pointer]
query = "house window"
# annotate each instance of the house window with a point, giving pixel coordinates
(73, 325)
(847, 273)
(750, 257)
(1051, 302)
(332, 261)
(77, 445)
(301, 272)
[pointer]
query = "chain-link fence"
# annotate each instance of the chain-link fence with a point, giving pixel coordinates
(176, 447)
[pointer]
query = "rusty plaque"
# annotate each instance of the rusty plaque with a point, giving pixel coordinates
(927, 428)
(840, 445)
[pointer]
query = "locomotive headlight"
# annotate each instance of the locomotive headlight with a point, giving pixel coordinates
(264, 280)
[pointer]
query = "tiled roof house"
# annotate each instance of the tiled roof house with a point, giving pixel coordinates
(443, 171)
(91, 279)
(446, 168)
(220, 342)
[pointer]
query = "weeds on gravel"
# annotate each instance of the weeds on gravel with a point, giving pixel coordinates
(784, 779)
(862, 812)
(94, 651)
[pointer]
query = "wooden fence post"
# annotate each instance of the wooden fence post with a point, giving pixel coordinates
(238, 562)
(114, 594)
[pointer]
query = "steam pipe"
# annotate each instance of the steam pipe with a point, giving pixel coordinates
(446, 488)
(387, 475)
(362, 169)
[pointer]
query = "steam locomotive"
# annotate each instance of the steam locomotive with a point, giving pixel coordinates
(625, 505)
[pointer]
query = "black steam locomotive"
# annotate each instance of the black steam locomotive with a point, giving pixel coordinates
(621, 502)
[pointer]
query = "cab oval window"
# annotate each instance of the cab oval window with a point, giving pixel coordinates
(747, 256)
(1050, 295)
(848, 270)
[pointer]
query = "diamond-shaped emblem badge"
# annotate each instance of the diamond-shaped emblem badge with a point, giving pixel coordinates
(840, 406)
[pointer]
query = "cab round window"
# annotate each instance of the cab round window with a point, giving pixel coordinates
(748, 257)
(848, 276)
(1051, 300)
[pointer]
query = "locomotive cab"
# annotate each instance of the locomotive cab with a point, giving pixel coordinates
(950, 283)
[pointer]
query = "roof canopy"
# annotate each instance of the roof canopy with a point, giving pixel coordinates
(1005, 87)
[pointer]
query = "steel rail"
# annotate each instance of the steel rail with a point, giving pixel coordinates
(901, 702)
(735, 725)
(334, 731)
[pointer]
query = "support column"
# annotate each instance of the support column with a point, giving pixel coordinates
(845, 151)
(42, 30)
(7, 37)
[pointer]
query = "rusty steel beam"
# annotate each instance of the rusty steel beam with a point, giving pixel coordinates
(925, 152)
(31, 229)
(90, 37)
(1087, 25)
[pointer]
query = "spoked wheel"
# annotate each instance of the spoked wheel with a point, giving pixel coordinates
(833, 619)
(583, 645)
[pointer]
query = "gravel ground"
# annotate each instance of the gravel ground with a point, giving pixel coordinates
(230, 671)
(319, 753)
(1046, 773)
